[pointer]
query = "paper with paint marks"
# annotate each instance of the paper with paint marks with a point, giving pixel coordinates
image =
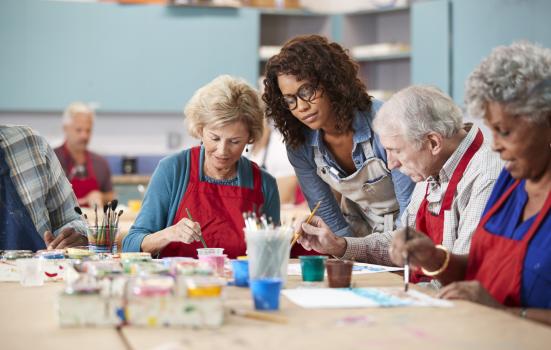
(336, 298)
(358, 269)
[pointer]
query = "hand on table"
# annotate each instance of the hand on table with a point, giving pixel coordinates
(68, 237)
(469, 290)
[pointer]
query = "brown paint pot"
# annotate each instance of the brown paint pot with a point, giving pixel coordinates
(339, 273)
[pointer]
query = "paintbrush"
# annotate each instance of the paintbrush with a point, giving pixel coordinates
(299, 232)
(96, 213)
(79, 212)
(118, 217)
(406, 263)
(261, 316)
(200, 236)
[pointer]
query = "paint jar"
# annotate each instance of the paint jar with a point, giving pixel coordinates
(16, 254)
(240, 272)
(127, 259)
(103, 268)
(209, 251)
(50, 254)
(151, 286)
(84, 284)
(265, 292)
(216, 262)
(30, 272)
(81, 252)
(268, 251)
(101, 239)
(339, 273)
(313, 267)
(203, 287)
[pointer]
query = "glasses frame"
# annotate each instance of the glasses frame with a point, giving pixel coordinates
(308, 99)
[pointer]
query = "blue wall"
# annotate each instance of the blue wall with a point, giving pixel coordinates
(451, 37)
(126, 58)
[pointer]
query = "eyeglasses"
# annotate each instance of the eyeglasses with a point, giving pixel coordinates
(306, 92)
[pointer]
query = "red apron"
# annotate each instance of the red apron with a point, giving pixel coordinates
(218, 209)
(433, 225)
(497, 262)
(81, 186)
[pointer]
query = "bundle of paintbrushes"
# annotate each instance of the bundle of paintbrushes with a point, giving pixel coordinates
(102, 236)
(256, 222)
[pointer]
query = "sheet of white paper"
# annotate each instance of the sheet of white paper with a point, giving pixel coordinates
(358, 269)
(329, 298)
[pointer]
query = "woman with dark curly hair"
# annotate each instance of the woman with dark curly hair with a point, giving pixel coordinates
(322, 109)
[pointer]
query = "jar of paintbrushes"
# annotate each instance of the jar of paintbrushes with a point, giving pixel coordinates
(268, 248)
(102, 233)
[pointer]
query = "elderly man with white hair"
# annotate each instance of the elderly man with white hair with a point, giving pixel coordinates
(423, 133)
(87, 171)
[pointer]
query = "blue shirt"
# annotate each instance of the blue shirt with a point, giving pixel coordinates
(167, 187)
(315, 189)
(507, 222)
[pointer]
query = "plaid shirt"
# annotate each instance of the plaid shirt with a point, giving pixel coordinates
(460, 222)
(39, 180)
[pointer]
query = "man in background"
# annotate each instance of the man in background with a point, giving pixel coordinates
(88, 172)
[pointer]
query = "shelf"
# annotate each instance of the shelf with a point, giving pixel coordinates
(287, 12)
(381, 52)
(385, 57)
(130, 179)
(267, 51)
(206, 4)
(380, 10)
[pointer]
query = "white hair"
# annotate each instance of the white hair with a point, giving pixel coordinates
(73, 109)
(508, 76)
(416, 111)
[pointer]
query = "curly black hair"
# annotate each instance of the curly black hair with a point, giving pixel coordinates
(327, 64)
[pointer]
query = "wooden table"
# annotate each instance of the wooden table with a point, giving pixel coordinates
(28, 322)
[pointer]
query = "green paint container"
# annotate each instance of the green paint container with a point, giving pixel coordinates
(313, 267)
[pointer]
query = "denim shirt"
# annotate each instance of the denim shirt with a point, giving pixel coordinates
(315, 189)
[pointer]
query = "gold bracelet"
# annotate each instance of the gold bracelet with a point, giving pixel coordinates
(444, 265)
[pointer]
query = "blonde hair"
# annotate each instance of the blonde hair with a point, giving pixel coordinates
(73, 109)
(225, 100)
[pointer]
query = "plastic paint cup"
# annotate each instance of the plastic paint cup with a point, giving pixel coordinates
(209, 251)
(339, 273)
(313, 267)
(30, 272)
(216, 262)
(265, 293)
(241, 272)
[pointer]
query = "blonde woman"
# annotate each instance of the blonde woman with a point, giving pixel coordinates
(213, 181)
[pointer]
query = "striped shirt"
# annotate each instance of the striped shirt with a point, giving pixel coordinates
(460, 222)
(39, 180)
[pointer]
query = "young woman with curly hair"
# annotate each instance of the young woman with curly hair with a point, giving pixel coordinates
(322, 109)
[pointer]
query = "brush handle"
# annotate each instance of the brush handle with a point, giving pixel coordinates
(200, 236)
(299, 232)
(260, 316)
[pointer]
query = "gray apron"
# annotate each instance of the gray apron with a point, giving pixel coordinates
(368, 200)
